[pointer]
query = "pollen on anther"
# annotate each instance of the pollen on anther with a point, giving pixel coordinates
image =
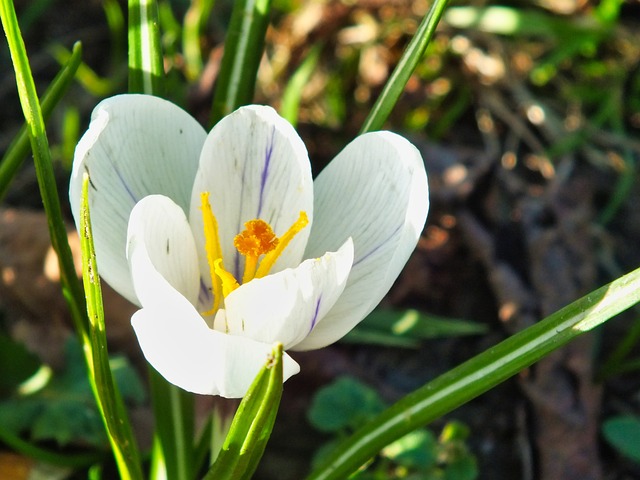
(257, 239)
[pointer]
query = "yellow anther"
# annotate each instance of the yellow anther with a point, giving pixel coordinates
(228, 281)
(257, 239)
(270, 258)
(213, 249)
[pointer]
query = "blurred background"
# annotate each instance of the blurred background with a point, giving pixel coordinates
(527, 115)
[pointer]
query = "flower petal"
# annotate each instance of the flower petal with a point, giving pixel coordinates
(286, 306)
(174, 337)
(376, 192)
(254, 165)
(136, 145)
(179, 345)
(159, 231)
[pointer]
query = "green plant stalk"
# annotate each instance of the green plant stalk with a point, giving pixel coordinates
(146, 68)
(243, 49)
(627, 177)
(44, 171)
(194, 20)
(42, 160)
(480, 374)
(617, 362)
(78, 460)
(173, 408)
(115, 20)
(85, 76)
(17, 151)
(292, 94)
(407, 64)
(112, 409)
(252, 424)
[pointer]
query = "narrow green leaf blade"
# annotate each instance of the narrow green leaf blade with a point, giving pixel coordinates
(146, 69)
(173, 410)
(251, 427)
(243, 49)
(109, 399)
(42, 159)
(293, 91)
(194, 20)
(480, 374)
(407, 64)
(74, 460)
(17, 151)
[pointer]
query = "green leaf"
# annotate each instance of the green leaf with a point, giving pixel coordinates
(403, 328)
(464, 468)
(17, 151)
(293, 91)
(85, 76)
(407, 64)
(418, 449)
(480, 374)
(623, 433)
(42, 159)
(243, 48)
(64, 410)
(43, 455)
(347, 403)
(173, 410)
(251, 426)
(107, 394)
(146, 68)
(127, 379)
(194, 20)
(17, 364)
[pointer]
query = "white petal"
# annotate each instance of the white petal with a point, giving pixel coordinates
(286, 306)
(160, 242)
(177, 342)
(254, 165)
(179, 345)
(136, 145)
(376, 192)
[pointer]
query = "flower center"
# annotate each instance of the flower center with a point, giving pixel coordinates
(256, 240)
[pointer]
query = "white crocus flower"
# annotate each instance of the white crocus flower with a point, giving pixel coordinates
(227, 244)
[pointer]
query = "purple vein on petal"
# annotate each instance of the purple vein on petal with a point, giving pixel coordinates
(377, 247)
(124, 184)
(205, 296)
(265, 169)
(315, 314)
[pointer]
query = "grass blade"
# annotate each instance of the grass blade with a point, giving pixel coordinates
(243, 49)
(110, 402)
(407, 64)
(480, 374)
(194, 20)
(252, 424)
(75, 460)
(19, 148)
(293, 91)
(146, 69)
(173, 408)
(42, 159)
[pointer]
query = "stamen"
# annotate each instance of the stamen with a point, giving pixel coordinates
(271, 257)
(257, 239)
(213, 249)
(228, 281)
